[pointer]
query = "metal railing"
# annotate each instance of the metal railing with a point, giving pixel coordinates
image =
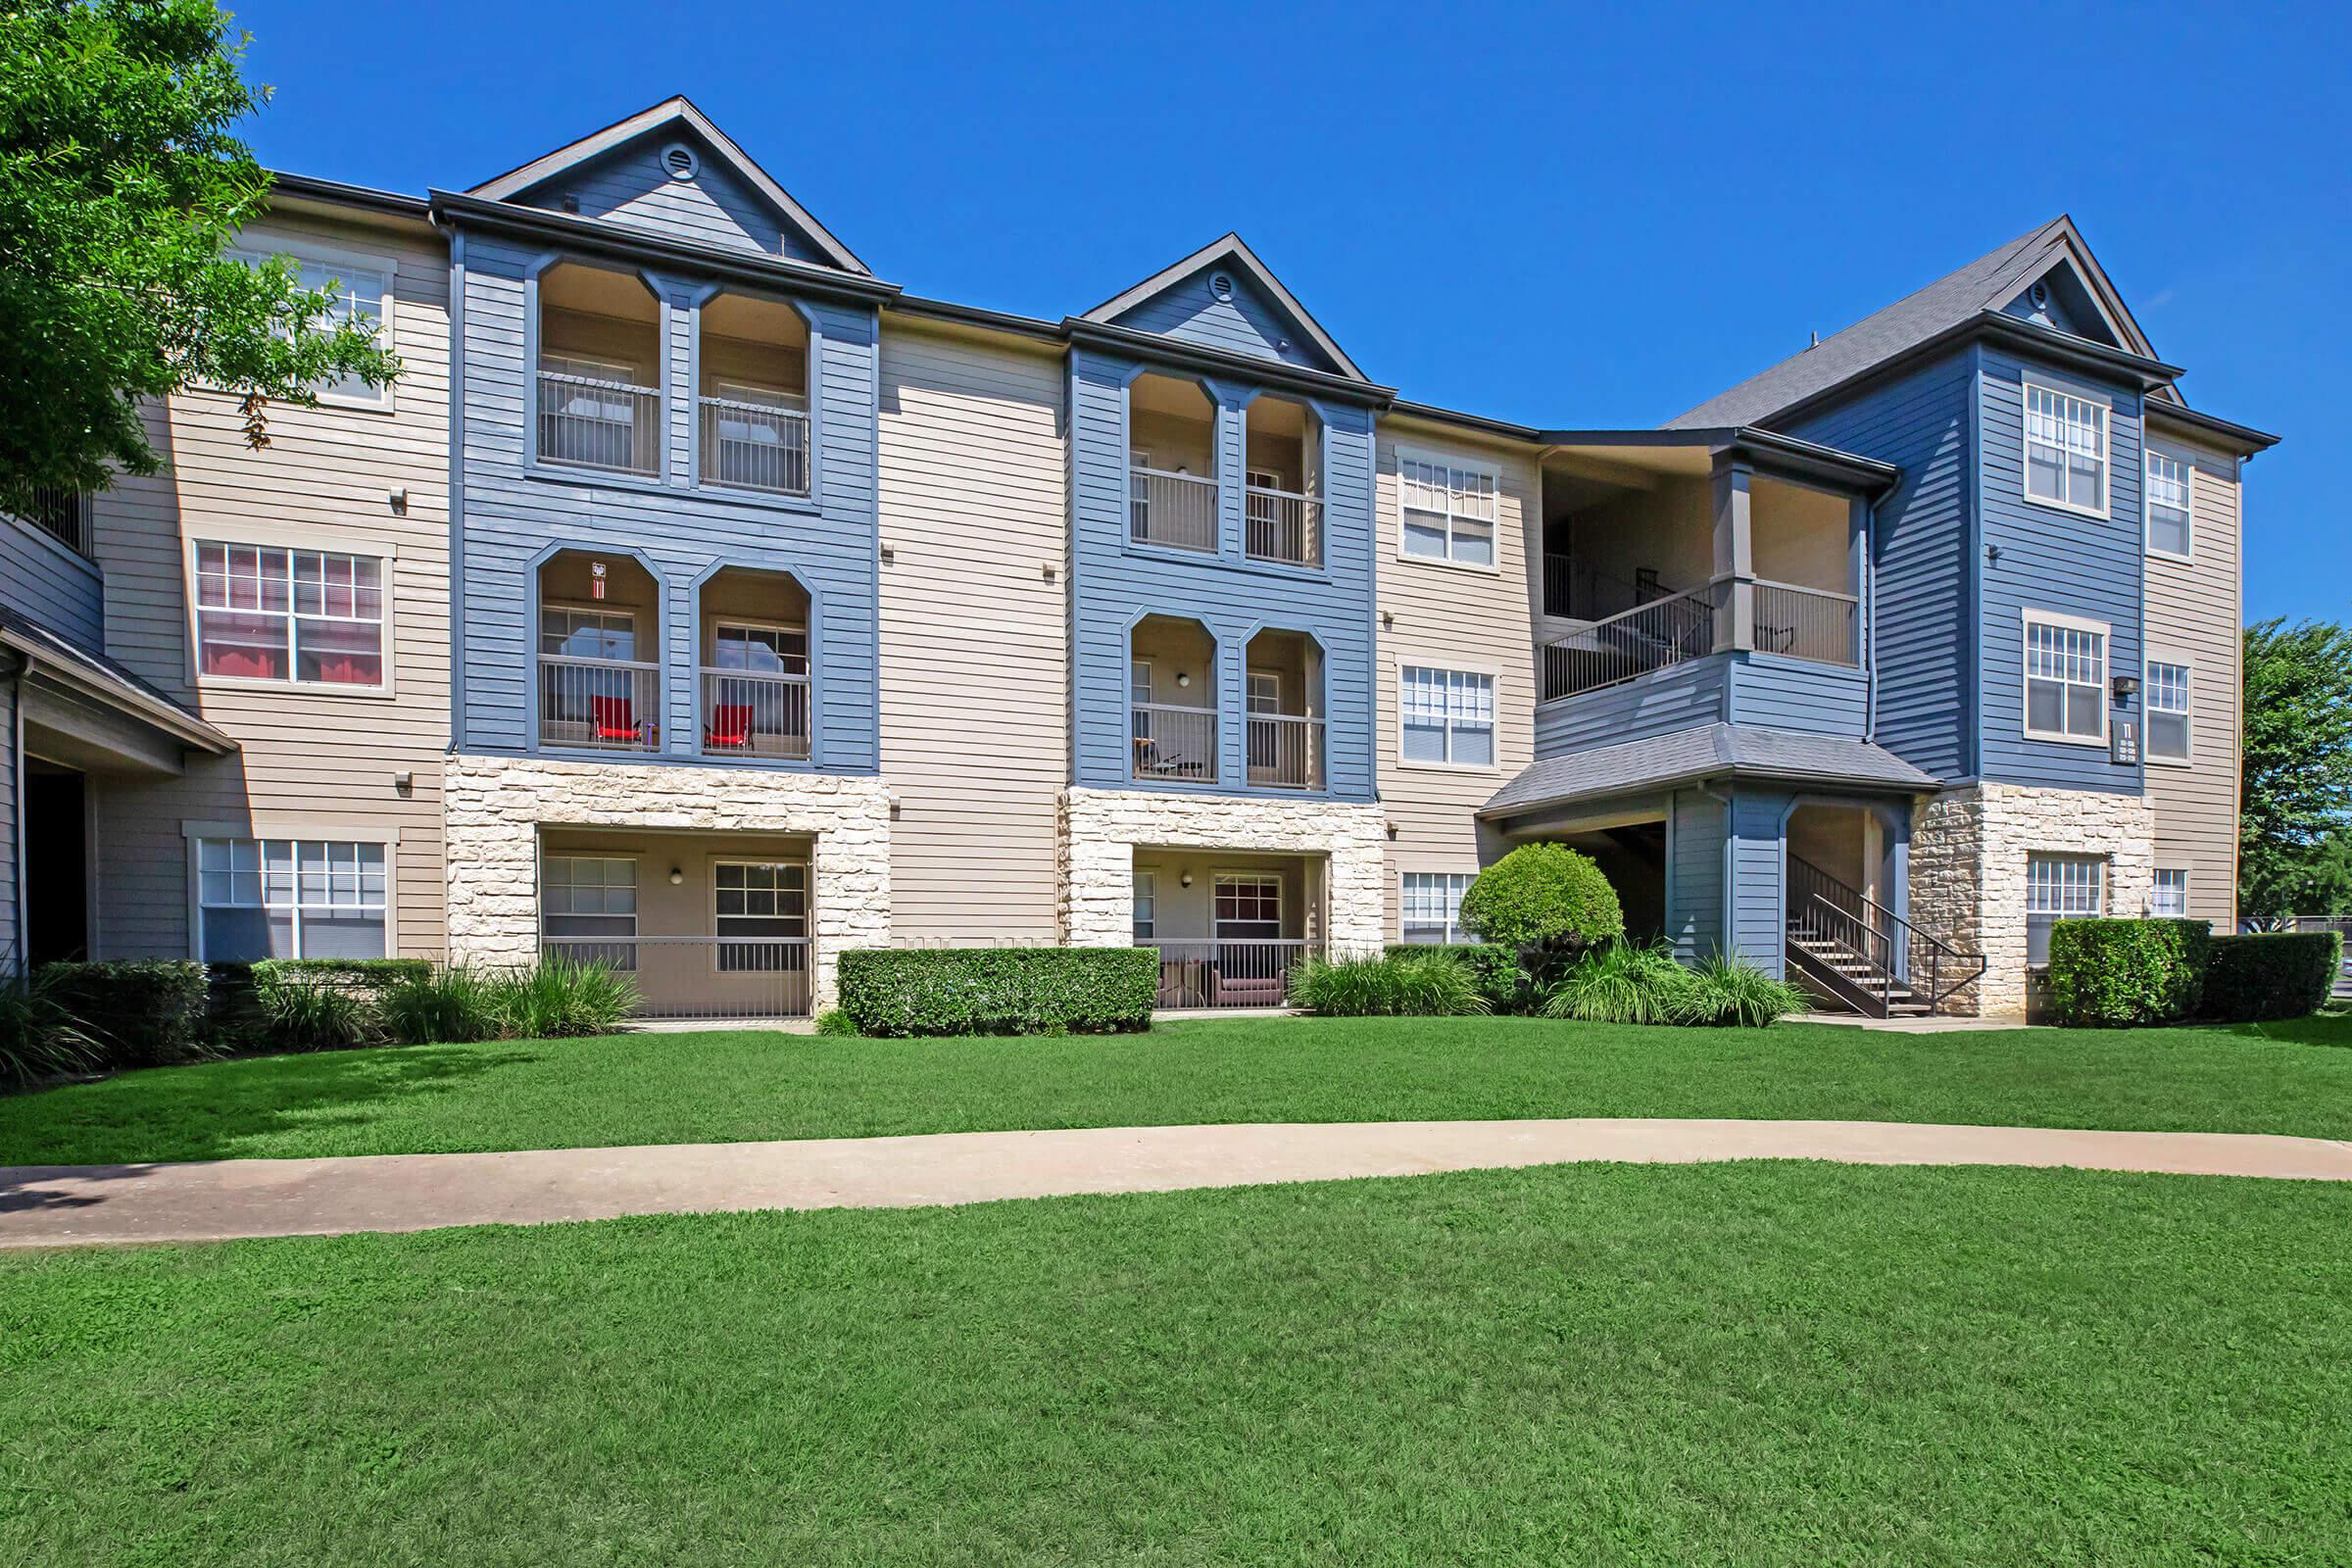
(754, 713)
(1808, 623)
(62, 514)
(754, 446)
(1893, 955)
(1176, 509)
(1228, 972)
(1285, 526)
(1286, 750)
(599, 704)
(587, 423)
(703, 977)
(1648, 637)
(1172, 742)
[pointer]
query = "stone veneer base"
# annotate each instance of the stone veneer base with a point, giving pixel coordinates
(492, 808)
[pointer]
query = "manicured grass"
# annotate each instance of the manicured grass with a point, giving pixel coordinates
(1764, 1363)
(673, 1088)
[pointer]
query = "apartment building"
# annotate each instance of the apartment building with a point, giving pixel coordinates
(700, 601)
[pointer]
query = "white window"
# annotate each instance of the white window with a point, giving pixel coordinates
(760, 911)
(2172, 894)
(571, 631)
(2168, 506)
(761, 649)
(363, 295)
(289, 899)
(1432, 905)
(588, 904)
(2066, 449)
(2168, 711)
(313, 618)
(2066, 681)
(1265, 691)
(1448, 717)
(1138, 682)
(1147, 905)
(1249, 904)
(2060, 887)
(1448, 514)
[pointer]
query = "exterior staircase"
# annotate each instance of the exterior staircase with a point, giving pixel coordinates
(1861, 956)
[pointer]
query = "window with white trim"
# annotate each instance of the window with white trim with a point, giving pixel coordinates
(2066, 682)
(2168, 689)
(360, 296)
(1447, 716)
(2060, 887)
(1448, 512)
(2066, 449)
(2168, 506)
(311, 618)
(1248, 905)
(2171, 897)
(1147, 905)
(767, 901)
(588, 904)
(574, 632)
(1432, 905)
(760, 649)
(1264, 695)
(289, 899)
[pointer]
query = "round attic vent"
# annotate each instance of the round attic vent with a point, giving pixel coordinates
(1221, 285)
(2039, 296)
(678, 161)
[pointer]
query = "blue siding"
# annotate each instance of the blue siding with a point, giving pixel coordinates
(512, 514)
(629, 187)
(1920, 610)
(1793, 695)
(1695, 875)
(1247, 323)
(1114, 583)
(40, 578)
(1657, 704)
(2056, 560)
(1759, 922)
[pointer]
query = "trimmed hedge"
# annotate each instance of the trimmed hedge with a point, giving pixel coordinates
(148, 1012)
(2283, 974)
(2124, 973)
(371, 974)
(998, 991)
(1494, 968)
(1543, 896)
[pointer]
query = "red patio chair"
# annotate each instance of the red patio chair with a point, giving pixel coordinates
(615, 717)
(730, 726)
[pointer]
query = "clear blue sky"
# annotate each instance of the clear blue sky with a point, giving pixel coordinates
(1588, 216)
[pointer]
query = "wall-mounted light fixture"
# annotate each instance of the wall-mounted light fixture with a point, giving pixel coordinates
(676, 876)
(1185, 879)
(2125, 686)
(404, 781)
(1183, 679)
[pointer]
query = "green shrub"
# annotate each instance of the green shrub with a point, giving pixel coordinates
(38, 1037)
(2120, 973)
(1544, 897)
(147, 1013)
(1494, 968)
(1730, 992)
(374, 976)
(2285, 974)
(454, 1006)
(312, 1013)
(1625, 982)
(563, 997)
(1406, 981)
(834, 1021)
(957, 990)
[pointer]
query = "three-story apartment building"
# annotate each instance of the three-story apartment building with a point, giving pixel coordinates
(702, 603)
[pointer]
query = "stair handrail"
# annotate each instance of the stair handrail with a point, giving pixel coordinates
(1965, 966)
(1821, 921)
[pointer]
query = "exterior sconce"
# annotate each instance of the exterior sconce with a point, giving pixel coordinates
(676, 876)
(1185, 879)
(2125, 686)
(1183, 679)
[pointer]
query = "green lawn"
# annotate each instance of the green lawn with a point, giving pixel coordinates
(667, 1088)
(1761, 1364)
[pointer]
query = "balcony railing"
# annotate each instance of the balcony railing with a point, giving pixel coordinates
(1648, 637)
(586, 424)
(1175, 743)
(753, 446)
(702, 977)
(1286, 752)
(599, 704)
(62, 514)
(1285, 526)
(1216, 972)
(1176, 509)
(1808, 623)
(754, 713)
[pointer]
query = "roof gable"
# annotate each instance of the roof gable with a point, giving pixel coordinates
(1223, 297)
(617, 175)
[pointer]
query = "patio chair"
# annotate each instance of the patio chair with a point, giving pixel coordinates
(616, 718)
(730, 726)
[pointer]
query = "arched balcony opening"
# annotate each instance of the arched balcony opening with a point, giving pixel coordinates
(1172, 695)
(599, 370)
(1282, 504)
(1283, 676)
(753, 403)
(600, 650)
(1171, 465)
(755, 666)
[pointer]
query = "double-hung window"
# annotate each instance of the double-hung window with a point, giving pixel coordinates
(2060, 887)
(2168, 506)
(760, 911)
(588, 904)
(1448, 717)
(2172, 894)
(2066, 449)
(1432, 905)
(314, 617)
(2066, 681)
(1147, 905)
(1448, 512)
(2168, 711)
(361, 294)
(1248, 905)
(289, 899)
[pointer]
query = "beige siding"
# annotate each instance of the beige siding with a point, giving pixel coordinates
(312, 761)
(1456, 617)
(975, 683)
(2192, 611)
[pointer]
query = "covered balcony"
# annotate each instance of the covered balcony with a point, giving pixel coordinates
(752, 420)
(1283, 676)
(1173, 464)
(754, 676)
(1282, 503)
(1229, 926)
(600, 371)
(1172, 694)
(600, 649)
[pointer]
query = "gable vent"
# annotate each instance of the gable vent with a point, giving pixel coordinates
(678, 161)
(1221, 285)
(2039, 296)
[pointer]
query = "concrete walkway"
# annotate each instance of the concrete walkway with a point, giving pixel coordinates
(216, 1200)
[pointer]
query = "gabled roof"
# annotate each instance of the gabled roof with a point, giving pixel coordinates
(1230, 251)
(1986, 284)
(1710, 751)
(673, 112)
(111, 684)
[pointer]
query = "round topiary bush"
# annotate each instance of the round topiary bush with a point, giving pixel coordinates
(1544, 897)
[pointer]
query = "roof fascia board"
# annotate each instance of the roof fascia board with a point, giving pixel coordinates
(1218, 362)
(310, 190)
(1235, 247)
(2243, 438)
(1746, 773)
(1769, 449)
(121, 696)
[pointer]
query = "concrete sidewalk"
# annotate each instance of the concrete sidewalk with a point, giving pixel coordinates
(216, 1200)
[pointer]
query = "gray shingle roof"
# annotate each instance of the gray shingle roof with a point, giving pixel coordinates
(98, 671)
(1710, 751)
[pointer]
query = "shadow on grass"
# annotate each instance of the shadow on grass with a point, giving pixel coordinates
(2319, 1029)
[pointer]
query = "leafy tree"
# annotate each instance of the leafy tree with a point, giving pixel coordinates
(121, 184)
(1546, 897)
(2295, 800)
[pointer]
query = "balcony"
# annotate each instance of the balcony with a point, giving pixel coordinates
(599, 619)
(754, 677)
(1286, 752)
(604, 705)
(1282, 511)
(753, 403)
(599, 375)
(63, 514)
(1175, 511)
(755, 714)
(1795, 622)
(1282, 525)
(755, 446)
(585, 423)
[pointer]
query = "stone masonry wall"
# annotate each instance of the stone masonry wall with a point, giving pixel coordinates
(492, 808)
(1101, 830)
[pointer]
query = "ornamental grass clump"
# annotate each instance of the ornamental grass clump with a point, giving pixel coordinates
(1733, 993)
(454, 1006)
(1624, 982)
(1422, 984)
(39, 1036)
(563, 997)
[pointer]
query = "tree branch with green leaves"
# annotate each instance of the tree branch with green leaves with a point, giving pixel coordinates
(2296, 799)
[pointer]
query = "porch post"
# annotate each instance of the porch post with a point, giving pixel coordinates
(1735, 555)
